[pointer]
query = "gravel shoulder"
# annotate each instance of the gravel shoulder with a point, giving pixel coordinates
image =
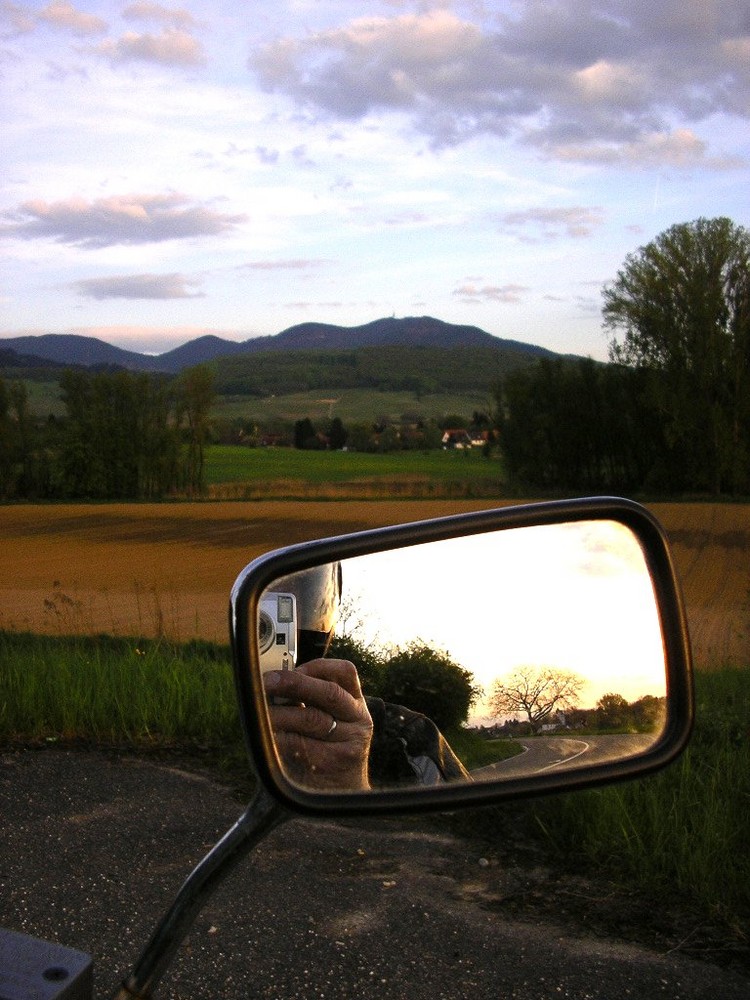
(94, 845)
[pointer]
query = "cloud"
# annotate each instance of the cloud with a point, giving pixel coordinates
(592, 307)
(59, 74)
(266, 156)
(369, 64)
(172, 47)
(680, 149)
(139, 286)
(15, 20)
(307, 306)
(470, 292)
(575, 221)
(300, 264)
(61, 14)
(577, 80)
(410, 218)
(121, 219)
(142, 10)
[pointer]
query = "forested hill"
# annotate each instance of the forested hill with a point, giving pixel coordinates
(408, 332)
(397, 368)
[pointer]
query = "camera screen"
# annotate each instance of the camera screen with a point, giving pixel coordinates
(285, 608)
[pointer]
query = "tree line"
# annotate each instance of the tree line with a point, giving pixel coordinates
(535, 696)
(124, 435)
(671, 412)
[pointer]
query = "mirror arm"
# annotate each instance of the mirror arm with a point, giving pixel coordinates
(258, 820)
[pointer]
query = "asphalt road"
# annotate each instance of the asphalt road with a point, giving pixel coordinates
(92, 848)
(543, 753)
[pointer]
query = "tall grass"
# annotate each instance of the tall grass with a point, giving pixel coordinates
(685, 830)
(681, 834)
(112, 690)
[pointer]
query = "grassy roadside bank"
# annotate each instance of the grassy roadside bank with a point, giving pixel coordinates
(144, 695)
(679, 836)
(129, 694)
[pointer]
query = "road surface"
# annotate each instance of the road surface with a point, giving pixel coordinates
(92, 847)
(544, 753)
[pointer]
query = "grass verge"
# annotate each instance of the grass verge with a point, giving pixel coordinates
(475, 751)
(132, 694)
(140, 694)
(679, 837)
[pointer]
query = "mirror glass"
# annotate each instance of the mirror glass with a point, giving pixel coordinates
(483, 658)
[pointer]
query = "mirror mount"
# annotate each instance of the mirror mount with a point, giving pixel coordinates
(262, 815)
(261, 574)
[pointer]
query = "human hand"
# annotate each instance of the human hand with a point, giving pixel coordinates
(324, 730)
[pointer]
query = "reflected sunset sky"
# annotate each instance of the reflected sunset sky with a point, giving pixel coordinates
(575, 597)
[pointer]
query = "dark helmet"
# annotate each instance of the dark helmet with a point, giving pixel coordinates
(318, 593)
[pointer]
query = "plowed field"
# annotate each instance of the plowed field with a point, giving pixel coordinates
(150, 569)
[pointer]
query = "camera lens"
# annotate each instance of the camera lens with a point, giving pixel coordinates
(266, 631)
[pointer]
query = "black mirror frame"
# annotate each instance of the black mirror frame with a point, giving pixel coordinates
(262, 571)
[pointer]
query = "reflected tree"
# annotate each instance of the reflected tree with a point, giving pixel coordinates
(536, 693)
(428, 680)
(613, 711)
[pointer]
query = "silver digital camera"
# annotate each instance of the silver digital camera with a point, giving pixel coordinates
(277, 631)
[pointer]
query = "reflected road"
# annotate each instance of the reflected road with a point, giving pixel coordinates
(546, 753)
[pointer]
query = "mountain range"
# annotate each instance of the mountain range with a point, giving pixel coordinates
(410, 331)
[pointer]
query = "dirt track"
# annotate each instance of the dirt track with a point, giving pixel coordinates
(168, 568)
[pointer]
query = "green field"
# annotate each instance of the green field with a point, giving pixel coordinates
(233, 464)
(350, 405)
(44, 396)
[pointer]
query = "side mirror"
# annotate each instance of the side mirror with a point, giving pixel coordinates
(563, 621)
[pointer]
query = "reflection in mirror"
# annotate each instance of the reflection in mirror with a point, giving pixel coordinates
(489, 657)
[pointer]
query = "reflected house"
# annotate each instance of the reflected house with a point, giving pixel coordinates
(558, 721)
(572, 718)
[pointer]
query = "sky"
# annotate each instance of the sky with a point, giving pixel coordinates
(575, 597)
(168, 171)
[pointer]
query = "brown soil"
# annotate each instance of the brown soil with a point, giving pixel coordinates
(157, 569)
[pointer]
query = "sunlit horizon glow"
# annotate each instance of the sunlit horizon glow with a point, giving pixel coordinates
(574, 597)
(172, 171)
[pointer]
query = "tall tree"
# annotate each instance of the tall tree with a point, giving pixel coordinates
(27, 483)
(576, 425)
(120, 436)
(197, 393)
(682, 304)
(6, 442)
(337, 434)
(536, 693)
